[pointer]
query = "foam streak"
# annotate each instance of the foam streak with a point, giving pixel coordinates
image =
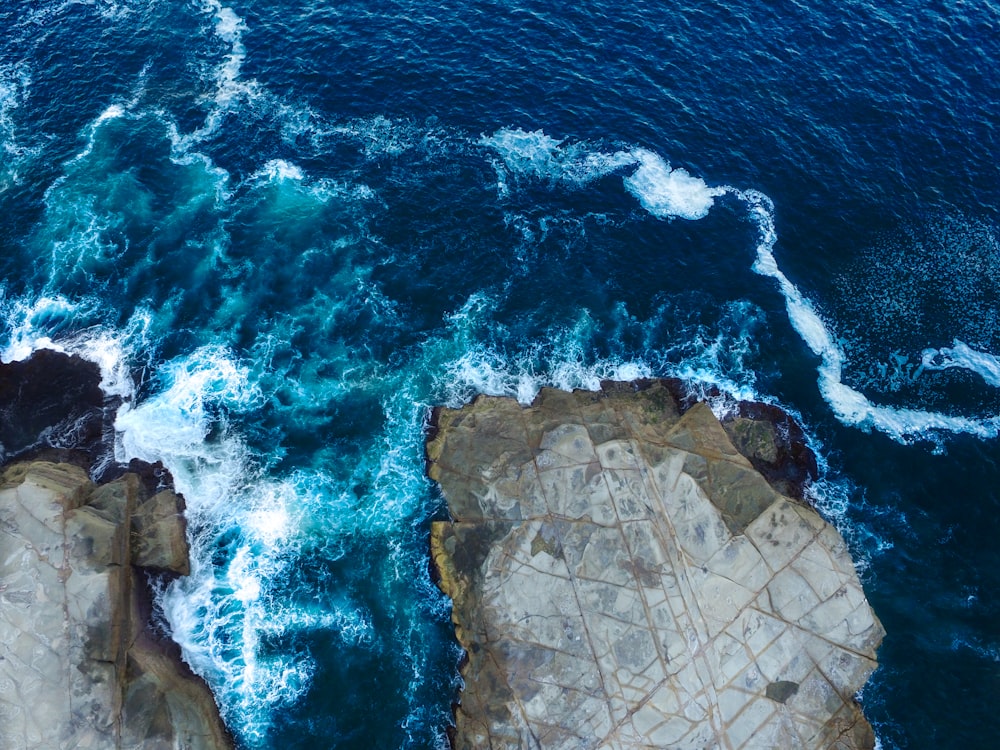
(849, 405)
(962, 356)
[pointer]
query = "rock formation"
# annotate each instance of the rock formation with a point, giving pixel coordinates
(78, 665)
(623, 577)
(53, 401)
(81, 664)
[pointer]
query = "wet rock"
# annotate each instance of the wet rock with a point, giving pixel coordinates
(159, 539)
(624, 576)
(52, 406)
(774, 443)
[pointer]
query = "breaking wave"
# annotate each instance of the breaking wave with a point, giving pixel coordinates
(669, 193)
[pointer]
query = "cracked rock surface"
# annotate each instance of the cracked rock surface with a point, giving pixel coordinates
(623, 577)
(79, 666)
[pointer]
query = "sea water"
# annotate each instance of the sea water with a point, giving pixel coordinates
(284, 231)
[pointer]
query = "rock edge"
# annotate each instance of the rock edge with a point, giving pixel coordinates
(81, 537)
(79, 664)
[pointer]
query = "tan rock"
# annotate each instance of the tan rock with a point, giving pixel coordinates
(78, 665)
(623, 577)
(159, 540)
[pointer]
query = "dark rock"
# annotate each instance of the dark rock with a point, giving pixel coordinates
(52, 406)
(775, 445)
(781, 690)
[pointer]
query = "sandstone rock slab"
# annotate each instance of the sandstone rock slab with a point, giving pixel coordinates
(623, 577)
(79, 666)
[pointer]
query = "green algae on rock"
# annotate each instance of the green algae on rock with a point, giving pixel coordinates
(623, 576)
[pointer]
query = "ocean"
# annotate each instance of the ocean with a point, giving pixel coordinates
(286, 230)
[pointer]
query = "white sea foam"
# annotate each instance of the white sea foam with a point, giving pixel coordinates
(15, 82)
(229, 27)
(114, 11)
(50, 322)
(850, 405)
(184, 425)
(232, 93)
(540, 156)
(111, 112)
(989, 652)
(667, 192)
(663, 191)
(706, 357)
(30, 324)
(220, 613)
(471, 367)
(962, 356)
(45, 13)
(484, 370)
(869, 528)
(291, 177)
(229, 89)
(379, 136)
(716, 357)
(173, 426)
(279, 169)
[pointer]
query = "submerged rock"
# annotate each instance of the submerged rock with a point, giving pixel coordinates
(80, 665)
(623, 577)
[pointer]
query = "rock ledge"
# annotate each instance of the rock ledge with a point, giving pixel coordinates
(623, 577)
(79, 666)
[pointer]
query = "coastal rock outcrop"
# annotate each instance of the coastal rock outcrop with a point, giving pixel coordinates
(81, 662)
(623, 577)
(79, 666)
(53, 402)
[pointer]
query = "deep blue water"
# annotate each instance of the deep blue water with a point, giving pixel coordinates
(286, 231)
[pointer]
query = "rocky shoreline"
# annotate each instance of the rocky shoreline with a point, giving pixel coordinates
(81, 662)
(626, 571)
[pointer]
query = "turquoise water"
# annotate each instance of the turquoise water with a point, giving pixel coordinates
(285, 232)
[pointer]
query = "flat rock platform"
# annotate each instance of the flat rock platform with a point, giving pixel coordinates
(624, 577)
